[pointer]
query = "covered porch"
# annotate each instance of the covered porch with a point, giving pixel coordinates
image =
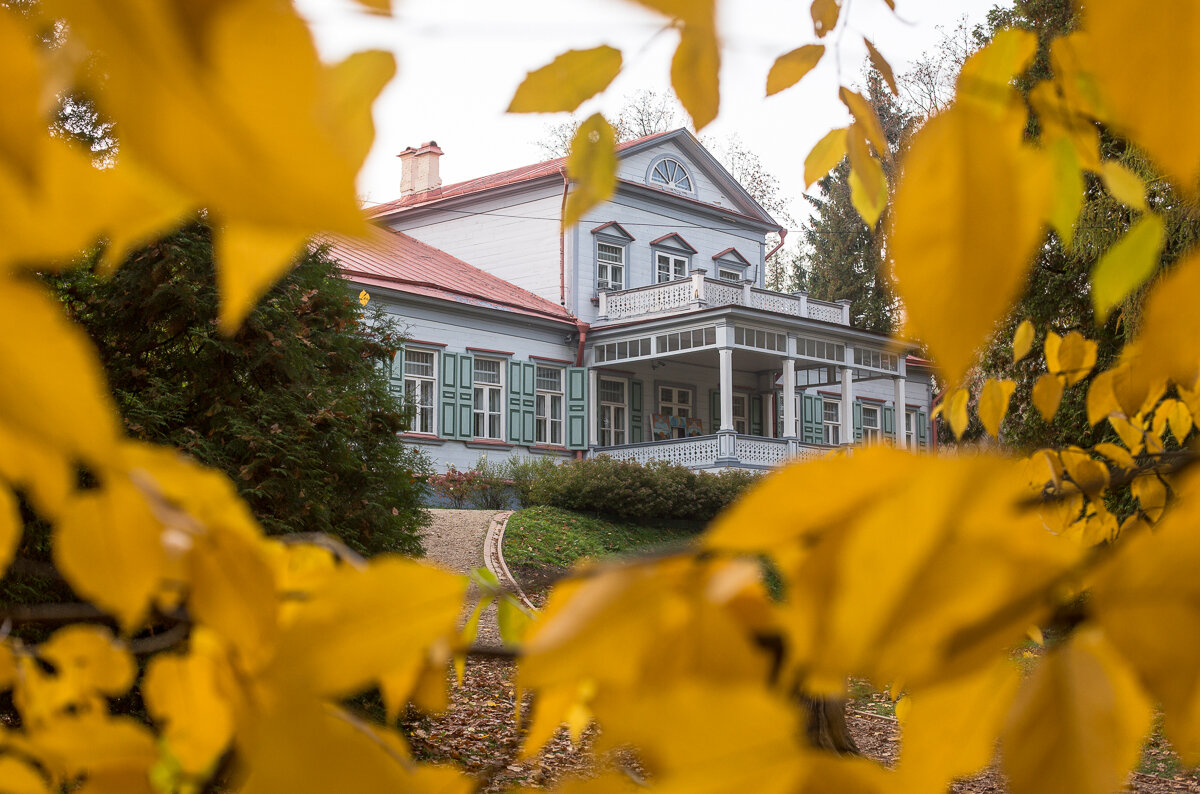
(710, 394)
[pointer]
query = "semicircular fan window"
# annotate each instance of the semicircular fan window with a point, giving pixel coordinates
(672, 175)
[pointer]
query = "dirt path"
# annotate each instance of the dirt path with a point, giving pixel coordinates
(455, 541)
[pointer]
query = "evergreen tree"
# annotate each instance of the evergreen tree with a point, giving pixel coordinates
(295, 407)
(843, 256)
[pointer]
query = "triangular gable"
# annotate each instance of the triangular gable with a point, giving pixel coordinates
(731, 256)
(673, 240)
(613, 229)
(712, 168)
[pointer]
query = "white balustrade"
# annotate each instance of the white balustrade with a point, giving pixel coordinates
(682, 294)
(757, 451)
(702, 451)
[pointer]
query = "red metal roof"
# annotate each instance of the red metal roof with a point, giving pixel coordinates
(512, 177)
(394, 260)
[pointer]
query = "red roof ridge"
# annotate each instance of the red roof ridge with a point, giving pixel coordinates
(512, 176)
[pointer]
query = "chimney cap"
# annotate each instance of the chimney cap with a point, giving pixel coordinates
(429, 147)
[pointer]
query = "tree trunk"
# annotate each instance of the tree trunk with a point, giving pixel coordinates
(827, 729)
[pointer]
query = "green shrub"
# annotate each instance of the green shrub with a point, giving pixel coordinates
(523, 472)
(492, 488)
(634, 492)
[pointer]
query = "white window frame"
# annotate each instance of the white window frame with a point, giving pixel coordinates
(425, 419)
(678, 179)
(614, 416)
(604, 268)
(676, 267)
(725, 274)
(549, 423)
(872, 434)
(672, 405)
(482, 397)
(831, 427)
(910, 428)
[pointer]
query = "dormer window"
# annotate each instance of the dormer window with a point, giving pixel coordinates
(669, 173)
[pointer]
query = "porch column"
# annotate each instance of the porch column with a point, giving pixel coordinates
(789, 398)
(901, 413)
(593, 407)
(726, 388)
(726, 438)
(847, 404)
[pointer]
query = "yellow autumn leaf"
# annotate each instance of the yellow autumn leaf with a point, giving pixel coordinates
(882, 66)
(1074, 357)
(791, 67)
(1151, 494)
(1068, 189)
(53, 388)
(866, 120)
(21, 778)
(338, 641)
(988, 194)
(970, 708)
(722, 738)
(42, 472)
(1180, 419)
(828, 152)
(1156, 104)
(1101, 399)
(1132, 435)
(251, 258)
(956, 411)
(985, 81)
(1127, 264)
(364, 298)
(200, 99)
(94, 743)
(1047, 394)
(1022, 340)
(696, 71)
(87, 659)
(110, 547)
(993, 403)
(183, 694)
(1118, 455)
(1170, 330)
(1145, 601)
(1089, 475)
(565, 83)
(825, 16)
(1079, 721)
(1061, 117)
(1126, 186)
(10, 527)
(868, 185)
(592, 166)
(1050, 350)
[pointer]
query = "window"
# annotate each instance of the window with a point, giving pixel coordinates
(875, 358)
(419, 388)
(672, 175)
(488, 398)
(670, 267)
(832, 422)
(610, 267)
(549, 406)
(817, 348)
(740, 423)
(870, 423)
(756, 337)
(910, 429)
(728, 275)
(674, 401)
(686, 340)
(618, 351)
(612, 412)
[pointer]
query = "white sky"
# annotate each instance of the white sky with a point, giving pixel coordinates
(460, 61)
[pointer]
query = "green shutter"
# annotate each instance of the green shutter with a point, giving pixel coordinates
(636, 434)
(466, 396)
(780, 430)
(529, 404)
(577, 408)
(756, 415)
(714, 410)
(812, 419)
(922, 429)
(858, 431)
(889, 421)
(515, 393)
(448, 397)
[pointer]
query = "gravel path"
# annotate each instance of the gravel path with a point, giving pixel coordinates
(454, 541)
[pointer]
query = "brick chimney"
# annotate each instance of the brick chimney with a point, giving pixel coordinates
(419, 168)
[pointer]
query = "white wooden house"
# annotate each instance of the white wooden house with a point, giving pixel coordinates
(643, 332)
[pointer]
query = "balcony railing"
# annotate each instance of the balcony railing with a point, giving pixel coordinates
(701, 452)
(698, 291)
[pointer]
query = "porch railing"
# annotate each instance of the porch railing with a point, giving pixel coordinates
(703, 451)
(700, 291)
